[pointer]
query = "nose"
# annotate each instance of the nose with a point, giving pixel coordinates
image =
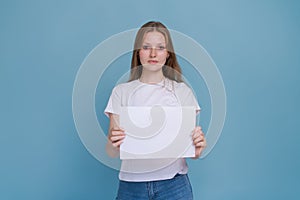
(153, 52)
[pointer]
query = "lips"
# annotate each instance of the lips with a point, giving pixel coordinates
(152, 62)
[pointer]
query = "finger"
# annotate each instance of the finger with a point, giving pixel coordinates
(195, 134)
(116, 138)
(198, 139)
(200, 144)
(117, 132)
(117, 144)
(195, 137)
(117, 128)
(198, 135)
(195, 130)
(198, 128)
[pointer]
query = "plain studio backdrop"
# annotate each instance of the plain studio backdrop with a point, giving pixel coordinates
(255, 45)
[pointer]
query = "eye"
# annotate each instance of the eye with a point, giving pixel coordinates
(161, 47)
(146, 47)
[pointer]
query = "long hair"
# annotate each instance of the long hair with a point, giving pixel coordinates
(171, 69)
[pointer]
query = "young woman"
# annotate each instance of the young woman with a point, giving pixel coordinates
(155, 79)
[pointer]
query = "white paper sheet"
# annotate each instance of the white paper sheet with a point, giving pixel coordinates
(157, 132)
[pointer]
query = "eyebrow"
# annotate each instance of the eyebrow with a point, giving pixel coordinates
(156, 44)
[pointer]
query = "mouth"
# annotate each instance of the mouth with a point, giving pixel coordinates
(152, 62)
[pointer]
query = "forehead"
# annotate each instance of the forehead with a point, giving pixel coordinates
(154, 37)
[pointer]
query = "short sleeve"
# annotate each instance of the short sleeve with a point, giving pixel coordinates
(192, 101)
(114, 102)
(186, 96)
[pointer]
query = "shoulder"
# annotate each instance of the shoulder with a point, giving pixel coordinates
(183, 91)
(181, 87)
(125, 86)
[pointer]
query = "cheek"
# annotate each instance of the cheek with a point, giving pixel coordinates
(164, 56)
(143, 56)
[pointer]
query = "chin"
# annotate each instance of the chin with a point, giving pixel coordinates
(153, 68)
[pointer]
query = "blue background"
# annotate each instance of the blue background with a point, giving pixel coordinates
(255, 45)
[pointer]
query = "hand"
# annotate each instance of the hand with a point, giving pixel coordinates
(116, 137)
(199, 141)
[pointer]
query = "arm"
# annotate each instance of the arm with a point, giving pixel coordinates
(116, 136)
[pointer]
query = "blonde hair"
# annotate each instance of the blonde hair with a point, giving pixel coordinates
(171, 69)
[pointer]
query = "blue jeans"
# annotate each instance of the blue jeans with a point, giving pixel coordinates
(177, 188)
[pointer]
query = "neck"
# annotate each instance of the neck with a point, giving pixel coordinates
(151, 77)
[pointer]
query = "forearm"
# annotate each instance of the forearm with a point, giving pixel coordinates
(115, 137)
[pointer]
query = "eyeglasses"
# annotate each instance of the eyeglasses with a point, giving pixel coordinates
(158, 48)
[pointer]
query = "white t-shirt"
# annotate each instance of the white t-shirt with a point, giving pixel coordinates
(165, 93)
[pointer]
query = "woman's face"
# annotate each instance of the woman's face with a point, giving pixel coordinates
(153, 53)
